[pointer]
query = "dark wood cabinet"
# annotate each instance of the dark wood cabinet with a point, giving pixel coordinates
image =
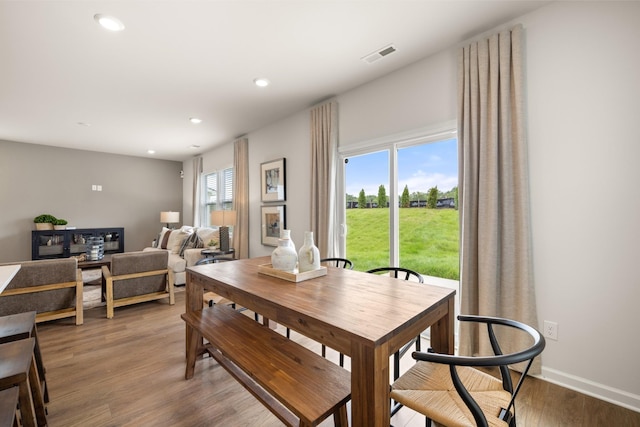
(46, 244)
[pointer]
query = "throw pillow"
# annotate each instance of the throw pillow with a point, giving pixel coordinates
(193, 241)
(207, 235)
(176, 239)
(164, 238)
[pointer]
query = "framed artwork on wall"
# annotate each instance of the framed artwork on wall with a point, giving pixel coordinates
(272, 180)
(273, 220)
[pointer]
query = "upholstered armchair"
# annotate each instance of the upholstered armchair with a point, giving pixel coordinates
(136, 277)
(51, 288)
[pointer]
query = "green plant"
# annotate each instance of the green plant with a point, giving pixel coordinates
(60, 221)
(45, 218)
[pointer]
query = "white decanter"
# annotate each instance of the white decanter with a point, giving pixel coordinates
(309, 255)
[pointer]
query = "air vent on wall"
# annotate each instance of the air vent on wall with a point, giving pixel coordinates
(379, 54)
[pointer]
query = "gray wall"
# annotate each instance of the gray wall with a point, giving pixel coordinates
(36, 179)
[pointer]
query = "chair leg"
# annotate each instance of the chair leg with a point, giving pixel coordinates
(341, 360)
(289, 334)
(396, 365)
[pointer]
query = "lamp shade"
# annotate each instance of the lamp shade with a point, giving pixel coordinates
(223, 218)
(169, 217)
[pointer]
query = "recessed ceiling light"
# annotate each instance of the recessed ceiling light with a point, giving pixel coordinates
(111, 23)
(195, 120)
(194, 146)
(151, 151)
(261, 82)
(84, 124)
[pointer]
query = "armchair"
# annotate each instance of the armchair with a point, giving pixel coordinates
(137, 277)
(51, 288)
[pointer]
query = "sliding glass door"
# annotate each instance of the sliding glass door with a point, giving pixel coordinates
(401, 206)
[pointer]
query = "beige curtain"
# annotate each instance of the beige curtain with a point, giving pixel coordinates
(195, 197)
(495, 253)
(324, 143)
(241, 197)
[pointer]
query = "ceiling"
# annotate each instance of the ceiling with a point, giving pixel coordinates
(67, 82)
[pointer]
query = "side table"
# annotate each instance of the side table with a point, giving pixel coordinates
(214, 255)
(88, 265)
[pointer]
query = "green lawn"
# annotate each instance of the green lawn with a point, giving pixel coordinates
(428, 240)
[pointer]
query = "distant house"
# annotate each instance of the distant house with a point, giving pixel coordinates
(449, 202)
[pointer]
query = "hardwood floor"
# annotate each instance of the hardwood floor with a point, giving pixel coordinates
(129, 371)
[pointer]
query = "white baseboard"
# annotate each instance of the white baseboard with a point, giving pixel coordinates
(600, 391)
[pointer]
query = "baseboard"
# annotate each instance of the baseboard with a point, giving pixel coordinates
(600, 391)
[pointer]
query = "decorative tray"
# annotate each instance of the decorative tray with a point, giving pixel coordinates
(291, 277)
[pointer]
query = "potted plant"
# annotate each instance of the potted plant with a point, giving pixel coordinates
(44, 222)
(60, 224)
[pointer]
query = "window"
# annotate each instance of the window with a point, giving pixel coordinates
(218, 193)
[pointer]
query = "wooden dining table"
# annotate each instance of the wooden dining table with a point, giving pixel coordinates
(365, 316)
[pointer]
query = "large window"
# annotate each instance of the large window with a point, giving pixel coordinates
(401, 204)
(218, 193)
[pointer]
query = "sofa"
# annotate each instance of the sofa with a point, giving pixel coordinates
(184, 246)
(52, 288)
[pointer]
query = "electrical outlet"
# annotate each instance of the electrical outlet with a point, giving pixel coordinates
(550, 330)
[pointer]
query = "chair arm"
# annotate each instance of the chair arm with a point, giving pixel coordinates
(106, 272)
(496, 360)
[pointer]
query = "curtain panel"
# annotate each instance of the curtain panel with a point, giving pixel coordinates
(324, 146)
(195, 197)
(496, 276)
(241, 197)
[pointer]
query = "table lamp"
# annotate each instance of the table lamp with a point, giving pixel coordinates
(170, 218)
(223, 219)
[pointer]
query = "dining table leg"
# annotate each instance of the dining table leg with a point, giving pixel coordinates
(370, 404)
(442, 332)
(193, 302)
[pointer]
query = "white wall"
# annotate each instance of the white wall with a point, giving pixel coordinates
(584, 103)
(290, 139)
(584, 98)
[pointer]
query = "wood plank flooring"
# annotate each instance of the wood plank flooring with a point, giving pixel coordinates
(129, 371)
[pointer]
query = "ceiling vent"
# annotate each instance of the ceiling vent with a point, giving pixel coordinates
(379, 54)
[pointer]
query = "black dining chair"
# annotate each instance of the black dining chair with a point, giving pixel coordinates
(338, 262)
(451, 391)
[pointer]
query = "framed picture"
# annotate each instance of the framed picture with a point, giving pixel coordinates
(273, 181)
(273, 220)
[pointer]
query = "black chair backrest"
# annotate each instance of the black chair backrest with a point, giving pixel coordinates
(500, 360)
(398, 273)
(338, 262)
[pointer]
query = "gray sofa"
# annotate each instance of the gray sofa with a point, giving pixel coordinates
(51, 288)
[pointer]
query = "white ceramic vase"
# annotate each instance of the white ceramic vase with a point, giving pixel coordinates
(284, 257)
(309, 255)
(286, 235)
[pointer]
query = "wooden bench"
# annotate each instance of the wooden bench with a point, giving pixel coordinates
(299, 386)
